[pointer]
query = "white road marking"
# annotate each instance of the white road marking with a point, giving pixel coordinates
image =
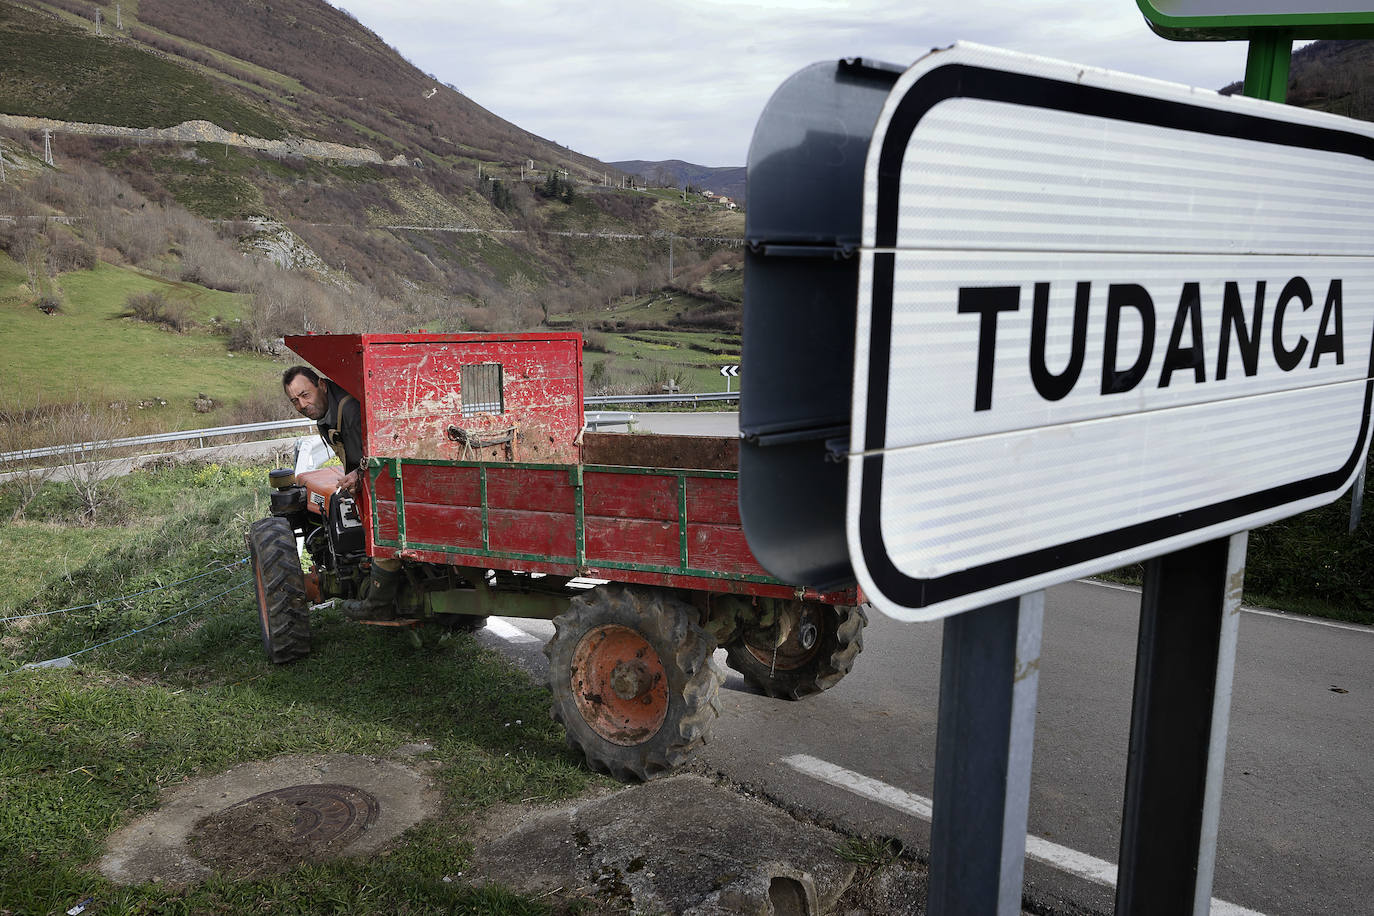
(509, 632)
(1060, 857)
(1281, 615)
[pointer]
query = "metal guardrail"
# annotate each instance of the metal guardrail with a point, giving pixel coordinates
(274, 425)
(662, 398)
(180, 436)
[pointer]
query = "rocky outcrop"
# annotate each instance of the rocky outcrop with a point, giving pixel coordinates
(206, 132)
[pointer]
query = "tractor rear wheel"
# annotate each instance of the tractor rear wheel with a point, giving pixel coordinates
(818, 651)
(282, 609)
(634, 684)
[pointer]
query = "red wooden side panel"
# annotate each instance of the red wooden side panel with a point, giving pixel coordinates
(629, 520)
(622, 540)
(445, 526)
(385, 509)
(713, 500)
(446, 485)
(630, 496)
(532, 489)
(720, 548)
(538, 534)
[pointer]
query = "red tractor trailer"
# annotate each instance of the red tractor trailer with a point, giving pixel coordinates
(481, 479)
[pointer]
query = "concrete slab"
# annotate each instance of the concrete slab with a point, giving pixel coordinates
(157, 846)
(676, 845)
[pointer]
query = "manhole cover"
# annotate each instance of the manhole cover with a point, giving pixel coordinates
(280, 828)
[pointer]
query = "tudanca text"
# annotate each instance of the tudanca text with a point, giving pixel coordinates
(1286, 338)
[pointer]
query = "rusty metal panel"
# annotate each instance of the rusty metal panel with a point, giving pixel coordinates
(416, 405)
(410, 388)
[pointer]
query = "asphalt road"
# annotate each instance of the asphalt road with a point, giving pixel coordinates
(1297, 824)
(1297, 821)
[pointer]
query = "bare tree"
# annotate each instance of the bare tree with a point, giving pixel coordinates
(94, 428)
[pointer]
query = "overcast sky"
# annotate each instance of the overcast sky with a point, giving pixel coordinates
(686, 79)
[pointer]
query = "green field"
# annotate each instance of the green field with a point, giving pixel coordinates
(641, 362)
(86, 352)
(84, 750)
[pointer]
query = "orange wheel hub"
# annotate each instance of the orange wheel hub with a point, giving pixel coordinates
(619, 685)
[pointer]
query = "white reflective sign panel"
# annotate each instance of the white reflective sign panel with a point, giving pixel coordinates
(1100, 318)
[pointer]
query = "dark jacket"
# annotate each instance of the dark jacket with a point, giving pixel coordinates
(341, 427)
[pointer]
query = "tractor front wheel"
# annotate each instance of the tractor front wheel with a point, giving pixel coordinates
(818, 650)
(633, 681)
(282, 609)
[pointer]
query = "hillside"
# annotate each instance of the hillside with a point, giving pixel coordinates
(367, 195)
(304, 69)
(1334, 76)
(674, 173)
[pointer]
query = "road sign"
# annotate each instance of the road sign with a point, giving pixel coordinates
(1100, 318)
(1208, 19)
(730, 371)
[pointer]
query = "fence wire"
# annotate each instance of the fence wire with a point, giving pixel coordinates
(53, 662)
(146, 591)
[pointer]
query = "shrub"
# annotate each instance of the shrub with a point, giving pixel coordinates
(67, 252)
(154, 308)
(595, 342)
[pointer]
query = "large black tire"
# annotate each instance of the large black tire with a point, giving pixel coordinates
(282, 608)
(796, 670)
(633, 681)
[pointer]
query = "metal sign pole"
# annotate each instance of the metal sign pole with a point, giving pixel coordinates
(1189, 619)
(1266, 64)
(989, 675)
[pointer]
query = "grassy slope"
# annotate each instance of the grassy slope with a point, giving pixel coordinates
(84, 751)
(87, 351)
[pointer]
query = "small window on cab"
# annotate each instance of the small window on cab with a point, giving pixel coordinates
(480, 388)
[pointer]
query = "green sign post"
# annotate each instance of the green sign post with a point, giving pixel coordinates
(1270, 26)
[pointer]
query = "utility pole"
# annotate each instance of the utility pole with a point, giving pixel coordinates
(99, 32)
(119, 19)
(2, 167)
(670, 258)
(47, 146)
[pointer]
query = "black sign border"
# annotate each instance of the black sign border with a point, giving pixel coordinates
(960, 80)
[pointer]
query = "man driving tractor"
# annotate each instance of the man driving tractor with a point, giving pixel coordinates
(338, 417)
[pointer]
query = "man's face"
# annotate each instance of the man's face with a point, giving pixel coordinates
(309, 399)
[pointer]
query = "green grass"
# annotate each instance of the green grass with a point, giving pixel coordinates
(87, 749)
(88, 352)
(634, 361)
(58, 71)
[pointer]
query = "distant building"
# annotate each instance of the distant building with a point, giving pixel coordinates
(709, 195)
